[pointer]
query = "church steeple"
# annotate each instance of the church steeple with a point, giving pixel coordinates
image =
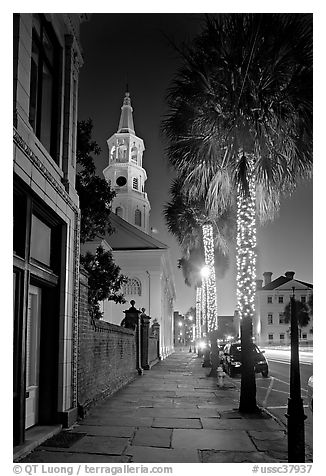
(126, 123)
(125, 172)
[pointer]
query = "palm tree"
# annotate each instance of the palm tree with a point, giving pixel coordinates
(201, 238)
(240, 123)
(302, 311)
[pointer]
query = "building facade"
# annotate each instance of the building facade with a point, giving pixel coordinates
(269, 326)
(47, 59)
(142, 258)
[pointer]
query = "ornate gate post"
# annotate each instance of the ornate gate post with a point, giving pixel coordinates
(132, 321)
(144, 336)
(156, 332)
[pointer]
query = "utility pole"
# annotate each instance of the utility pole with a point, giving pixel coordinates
(295, 414)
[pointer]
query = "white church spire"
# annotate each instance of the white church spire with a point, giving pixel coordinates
(126, 123)
(125, 172)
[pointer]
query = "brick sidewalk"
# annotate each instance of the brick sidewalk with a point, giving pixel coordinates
(174, 413)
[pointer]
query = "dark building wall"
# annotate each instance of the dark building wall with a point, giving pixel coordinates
(107, 355)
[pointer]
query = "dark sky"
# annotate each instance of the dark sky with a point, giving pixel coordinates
(134, 49)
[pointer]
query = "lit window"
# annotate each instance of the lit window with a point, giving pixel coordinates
(281, 318)
(135, 183)
(138, 217)
(270, 319)
(269, 299)
(280, 299)
(270, 336)
(132, 286)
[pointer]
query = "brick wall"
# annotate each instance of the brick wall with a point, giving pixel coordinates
(107, 355)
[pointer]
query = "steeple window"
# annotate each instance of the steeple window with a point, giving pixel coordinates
(122, 152)
(138, 217)
(113, 154)
(135, 183)
(134, 154)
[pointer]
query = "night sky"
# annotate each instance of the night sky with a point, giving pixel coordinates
(136, 49)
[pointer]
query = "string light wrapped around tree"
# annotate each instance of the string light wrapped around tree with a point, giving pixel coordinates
(204, 306)
(198, 311)
(211, 279)
(246, 246)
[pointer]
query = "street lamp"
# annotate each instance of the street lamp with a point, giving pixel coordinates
(295, 414)
(205, 271)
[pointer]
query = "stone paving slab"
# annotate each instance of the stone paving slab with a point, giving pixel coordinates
(109, 445)
(40, 456)
(240, 424)
(141, 454)
(213, 456)
(227, 440)
(175, 412)
(274, 443)
(160, 437)
(106, 430)
(176, 423)
(248, 416)
(118, 421)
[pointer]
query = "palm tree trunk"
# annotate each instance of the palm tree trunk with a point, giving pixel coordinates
(211, 280)
(198, 314)
(246, 287)
(248, 379)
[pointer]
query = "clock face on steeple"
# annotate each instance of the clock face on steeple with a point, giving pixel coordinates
(121, 181)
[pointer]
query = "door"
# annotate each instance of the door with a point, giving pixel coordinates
(32, 355)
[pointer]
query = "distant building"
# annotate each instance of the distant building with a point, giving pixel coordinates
(47, 59)
(184, 329)
(179, 336)
(142, 258)
(271, 298)
(226, 328)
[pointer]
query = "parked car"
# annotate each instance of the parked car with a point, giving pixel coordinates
(310, 392)
(232, 359)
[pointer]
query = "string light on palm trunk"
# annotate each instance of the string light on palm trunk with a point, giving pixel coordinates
(204, 306)
(211, 280)
(246, 247)
(198, 311)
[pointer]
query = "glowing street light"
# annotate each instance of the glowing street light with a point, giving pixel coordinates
(205, 271)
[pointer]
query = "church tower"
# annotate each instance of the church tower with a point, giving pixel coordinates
(125, 173)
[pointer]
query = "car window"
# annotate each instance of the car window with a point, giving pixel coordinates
(236, 349)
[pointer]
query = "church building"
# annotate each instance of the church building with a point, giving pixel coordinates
(142, 258)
